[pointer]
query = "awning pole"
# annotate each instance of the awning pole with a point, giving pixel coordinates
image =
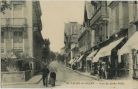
(86, 66)
(91, 66)
(119, 58)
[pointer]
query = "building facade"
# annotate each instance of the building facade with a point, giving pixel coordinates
(108, 39)
(113, 23)
(21, 29)
(99, 21)
(71, 34)
(123, 20)
(84, 41)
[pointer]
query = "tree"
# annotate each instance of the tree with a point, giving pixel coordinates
(46, 50)
(52, 55)
(4, 5)
(61, 58)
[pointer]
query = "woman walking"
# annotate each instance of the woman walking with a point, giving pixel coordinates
(53, 71)
(52, 78)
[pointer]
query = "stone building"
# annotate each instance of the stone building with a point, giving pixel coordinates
(71, 34)
(115, 28)
(99, 21)
(109, 27)
(88, 13)
(84, 42)
(21, 30)
(127, 20)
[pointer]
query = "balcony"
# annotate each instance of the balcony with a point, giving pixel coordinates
(101, 13)
(13, 22)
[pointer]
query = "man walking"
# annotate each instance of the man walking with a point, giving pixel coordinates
(45, 72)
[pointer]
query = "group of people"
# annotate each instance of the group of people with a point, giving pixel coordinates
(103, 70)
(48, 76)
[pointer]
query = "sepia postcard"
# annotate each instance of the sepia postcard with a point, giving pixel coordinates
(73, 44)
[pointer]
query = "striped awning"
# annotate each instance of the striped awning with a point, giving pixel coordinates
(80, 58)
(91, 55)
(132, 43)
(106, 51)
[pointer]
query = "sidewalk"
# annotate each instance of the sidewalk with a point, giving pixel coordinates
(34, 80)
(96, 77)
(84, 73)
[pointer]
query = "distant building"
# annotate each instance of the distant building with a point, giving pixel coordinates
(71, 34)
(62, 51)
(84, 41)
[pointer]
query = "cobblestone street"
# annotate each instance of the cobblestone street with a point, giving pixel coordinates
(67, 78)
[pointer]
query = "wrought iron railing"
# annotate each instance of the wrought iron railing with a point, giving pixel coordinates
(13, 22)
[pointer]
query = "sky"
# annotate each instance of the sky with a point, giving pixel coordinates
(54, 15)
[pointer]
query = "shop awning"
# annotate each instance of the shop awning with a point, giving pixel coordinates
(132, 43)
(91, 55)
(70, 62)
(106, 51)
(73, 61)
(80, 58)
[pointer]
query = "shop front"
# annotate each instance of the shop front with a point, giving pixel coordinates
(89, 61)
(73, 63)
(135, 63)
(88, 64)
(104, 61)
(81, 63)
(70, 62)
(128, 56)
(106, 51)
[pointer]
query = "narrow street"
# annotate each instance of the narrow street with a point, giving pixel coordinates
(65, 77)
(97, 38)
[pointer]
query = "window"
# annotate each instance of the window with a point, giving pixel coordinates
(2, 37)
(18, 37)
(2, 50)
(18, 41)
(18, 10)
(117, 18)
(125, 13)
(17, 6)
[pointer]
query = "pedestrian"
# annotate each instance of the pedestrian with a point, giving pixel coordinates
(52, 79)
(45, 72)
(104, 69)
(53, 69)
(100, 70)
